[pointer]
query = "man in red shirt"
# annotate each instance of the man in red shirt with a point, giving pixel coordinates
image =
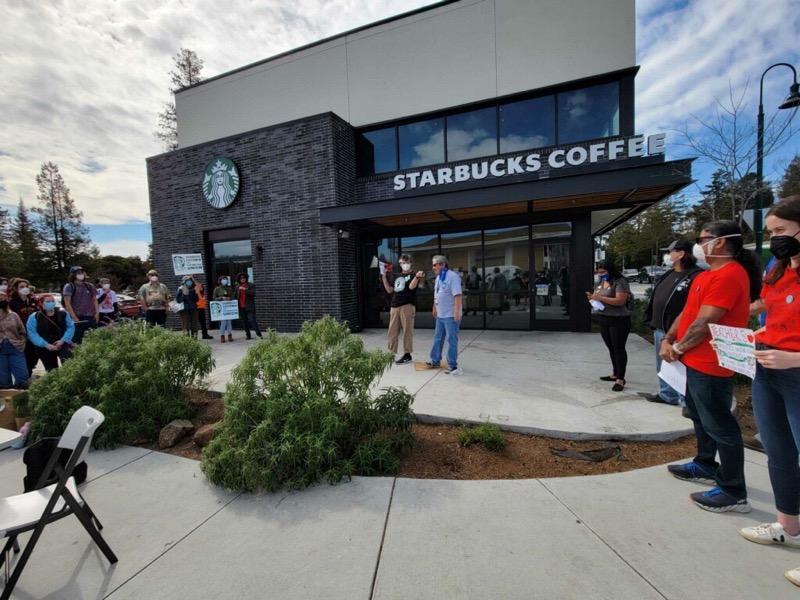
(720, 295)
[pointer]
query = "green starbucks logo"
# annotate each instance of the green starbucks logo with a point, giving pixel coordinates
(220, 182)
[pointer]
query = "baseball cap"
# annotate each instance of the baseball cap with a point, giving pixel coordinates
(75, 269)
(678, 245)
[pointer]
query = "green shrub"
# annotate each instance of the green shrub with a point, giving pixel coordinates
(22, 405)
(133, 374)
(298, 411)
(487, 434)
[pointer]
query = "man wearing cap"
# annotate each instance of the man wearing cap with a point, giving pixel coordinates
(154, 298)
(666, 303)
(80, 301)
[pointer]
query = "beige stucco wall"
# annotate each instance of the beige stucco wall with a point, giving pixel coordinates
(456, 54)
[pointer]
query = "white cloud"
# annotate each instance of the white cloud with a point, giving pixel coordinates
(124, 248)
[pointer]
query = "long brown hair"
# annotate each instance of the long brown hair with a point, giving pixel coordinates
(789, 209)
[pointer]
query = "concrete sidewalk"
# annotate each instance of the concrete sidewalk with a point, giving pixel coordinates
(625, 536)
(536, 382)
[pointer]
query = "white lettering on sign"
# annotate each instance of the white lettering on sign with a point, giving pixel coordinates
(618, 149)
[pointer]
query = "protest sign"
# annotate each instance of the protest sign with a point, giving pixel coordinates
(223, 310)
(542, 289)
(187, 264)
(674, 375)
(734, 347)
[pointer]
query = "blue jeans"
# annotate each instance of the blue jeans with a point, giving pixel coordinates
(12, 364)
(225, 326)
(776, 404)
(82, 325)
(445, 327)
(708, 405)
(664, 390)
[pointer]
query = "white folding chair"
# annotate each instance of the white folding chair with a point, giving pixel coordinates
(35, 510)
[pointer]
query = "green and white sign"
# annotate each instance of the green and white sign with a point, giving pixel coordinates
(220, 182)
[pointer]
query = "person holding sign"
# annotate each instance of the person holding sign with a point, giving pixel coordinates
(776, 388)
(403, 290)
(224, 292)
(720, 295)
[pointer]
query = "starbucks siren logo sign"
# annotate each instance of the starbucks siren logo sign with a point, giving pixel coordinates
(220, 182)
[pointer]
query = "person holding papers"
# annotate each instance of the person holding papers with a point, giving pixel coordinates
(776, 388)
(720, 295)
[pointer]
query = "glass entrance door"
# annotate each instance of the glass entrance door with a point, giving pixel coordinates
(550, 289)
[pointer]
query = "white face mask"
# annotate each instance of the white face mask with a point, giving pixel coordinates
(80, 277)
(24, 291)
(405, 267)
(3, 288)
(106, 286)
(668, 262)
(153, 278)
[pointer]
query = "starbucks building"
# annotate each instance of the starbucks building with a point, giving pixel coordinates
(499, 133)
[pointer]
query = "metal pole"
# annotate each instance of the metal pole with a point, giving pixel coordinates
(758, 226)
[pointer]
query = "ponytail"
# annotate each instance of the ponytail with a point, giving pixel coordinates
(752, 265)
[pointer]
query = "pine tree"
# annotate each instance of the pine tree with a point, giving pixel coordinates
(186, 72)
(790, 184)
(59, 224)
(26, 241)
(9, 255)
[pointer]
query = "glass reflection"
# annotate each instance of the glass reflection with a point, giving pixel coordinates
(422, 249)
(463, 252)
(421, 143)
(551, 285)
(378, 151)
(506, 278)
(527, 124)
(472, 134)
(588, 113)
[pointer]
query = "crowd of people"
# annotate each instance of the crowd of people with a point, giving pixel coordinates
(728, 290)
(34, 327)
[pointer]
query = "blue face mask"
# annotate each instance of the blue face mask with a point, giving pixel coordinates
(50, 305)
(225, 282)
(189, 283)
(605, 277)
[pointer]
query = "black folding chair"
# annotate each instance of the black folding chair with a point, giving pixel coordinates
(33, 511)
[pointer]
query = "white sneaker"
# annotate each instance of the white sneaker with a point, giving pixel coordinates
(457, 371)
(770, 533)
(793, 575)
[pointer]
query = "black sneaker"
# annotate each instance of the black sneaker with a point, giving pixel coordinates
(691, 471)
(656, 398)
(715, 500)
(406, 358)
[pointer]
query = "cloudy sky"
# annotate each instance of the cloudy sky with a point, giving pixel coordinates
(84, 81)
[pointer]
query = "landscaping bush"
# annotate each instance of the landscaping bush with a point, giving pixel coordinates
(133, 374)
(298, 411)
(487, 434)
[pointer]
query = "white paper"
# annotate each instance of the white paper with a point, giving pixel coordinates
(187, 264)
(597, 305)
(223, 310)
(734, 347)
(674, 375)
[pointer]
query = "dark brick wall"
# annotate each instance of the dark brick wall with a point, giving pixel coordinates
(287, 172)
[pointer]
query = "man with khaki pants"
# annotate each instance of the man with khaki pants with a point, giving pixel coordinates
(403, 290)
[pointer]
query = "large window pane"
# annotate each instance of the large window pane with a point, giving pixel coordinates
(527, 124)
(588, 113)
(422, 249)
(421, 143)
(472, 134)
(463, 252)
(506, 278)
(551, 279)
(377, 151)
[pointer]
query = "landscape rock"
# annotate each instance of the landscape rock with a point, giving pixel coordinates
(204, 434)
(173, 432)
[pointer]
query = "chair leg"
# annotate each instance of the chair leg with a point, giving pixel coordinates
(23, 560)
(93, 516)
(86, 521)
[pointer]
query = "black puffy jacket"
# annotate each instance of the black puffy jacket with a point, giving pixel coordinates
(676, 300)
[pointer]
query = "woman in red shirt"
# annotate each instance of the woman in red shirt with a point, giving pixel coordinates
(722, 295)
(776, 389)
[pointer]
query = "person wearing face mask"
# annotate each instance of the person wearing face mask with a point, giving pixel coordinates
(720, 295)
(23, 302)
(224, 292)
(403, 291)
(613, 294)
(202, 305)
(80, 301)
(13, 370)
(187, 295)
(776, 388)
(51, 330)
(447, 311)
(4, 285)
(245, 295)
(666, 303)
(154, 298)
(107, 301)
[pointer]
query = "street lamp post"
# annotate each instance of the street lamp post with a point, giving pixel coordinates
(792, 101)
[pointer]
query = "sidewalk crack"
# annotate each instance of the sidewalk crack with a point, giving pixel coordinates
(383, 538)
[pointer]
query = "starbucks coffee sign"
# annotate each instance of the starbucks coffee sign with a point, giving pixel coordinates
(550, 159)
(220, 182)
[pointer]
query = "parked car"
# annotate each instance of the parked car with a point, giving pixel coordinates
(129, 306)
(650, 273)
(630, 274)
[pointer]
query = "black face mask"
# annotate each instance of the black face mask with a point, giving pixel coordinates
(3, 304)
(784, 246)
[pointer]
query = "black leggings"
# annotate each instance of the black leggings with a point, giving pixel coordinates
(615, 332)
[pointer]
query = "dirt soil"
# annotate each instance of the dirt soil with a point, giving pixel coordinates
(744, 413)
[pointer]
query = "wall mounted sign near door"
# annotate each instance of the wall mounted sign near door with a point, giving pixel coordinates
(187, 264)
(220, 182)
